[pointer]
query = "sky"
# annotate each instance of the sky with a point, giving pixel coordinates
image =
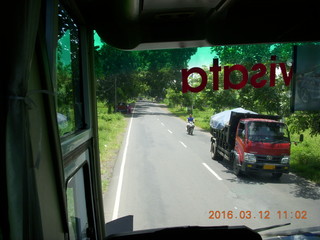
(203, 56)
(97, 39)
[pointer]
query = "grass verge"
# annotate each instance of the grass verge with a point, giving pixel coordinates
(202, 118)
(111, 129)
(305, 156)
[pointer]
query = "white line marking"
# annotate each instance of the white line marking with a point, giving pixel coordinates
(119, 187)
(169, 131)
(183, 144)
(213, 172)
(162, 124)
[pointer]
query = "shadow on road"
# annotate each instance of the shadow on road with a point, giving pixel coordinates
(305, 189)
(300, 187)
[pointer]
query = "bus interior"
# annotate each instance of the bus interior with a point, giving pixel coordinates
(46, 172)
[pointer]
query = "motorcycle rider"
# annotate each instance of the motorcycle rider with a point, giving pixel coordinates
(190, 120)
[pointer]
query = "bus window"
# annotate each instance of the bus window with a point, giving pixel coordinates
(77, 210)
(68, 72)
(78, 221)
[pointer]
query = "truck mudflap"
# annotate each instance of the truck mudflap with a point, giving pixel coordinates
(266, 167)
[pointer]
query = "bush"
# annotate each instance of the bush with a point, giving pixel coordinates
(305, 157)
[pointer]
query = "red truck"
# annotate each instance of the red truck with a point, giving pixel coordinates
(252, 142)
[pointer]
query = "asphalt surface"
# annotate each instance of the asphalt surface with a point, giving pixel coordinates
(165, 178)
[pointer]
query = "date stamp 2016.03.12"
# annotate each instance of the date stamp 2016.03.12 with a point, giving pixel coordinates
(265, 214)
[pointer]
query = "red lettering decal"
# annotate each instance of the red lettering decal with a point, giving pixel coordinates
(215, 70)
(286, 77)
(256, 79)
(260, 74)
(228, 70)
(273, 71)
(185, 84)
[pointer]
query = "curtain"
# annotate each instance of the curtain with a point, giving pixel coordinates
(23, 212)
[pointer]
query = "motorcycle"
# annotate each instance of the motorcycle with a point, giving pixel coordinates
(190, 128)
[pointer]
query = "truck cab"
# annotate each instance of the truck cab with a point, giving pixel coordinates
(262, 145)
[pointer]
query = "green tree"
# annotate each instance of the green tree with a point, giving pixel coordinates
(266, 99)
(138, 73)
(118, 75)
(272, 100)
(163, 68)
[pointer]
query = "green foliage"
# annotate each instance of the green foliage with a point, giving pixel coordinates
(301, 121)
(202, 117)
(116, 73)
(305, 157)
(147, 73)
(273, 100)
(163, 68)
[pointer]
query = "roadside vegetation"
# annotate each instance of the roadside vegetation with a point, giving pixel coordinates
(111, 127)
(305, 157)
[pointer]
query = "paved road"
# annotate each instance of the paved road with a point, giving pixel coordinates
(165, 177)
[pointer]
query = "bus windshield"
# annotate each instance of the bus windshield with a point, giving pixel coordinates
(167, 164)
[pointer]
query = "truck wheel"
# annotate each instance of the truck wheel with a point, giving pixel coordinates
(276, 175)
(214, 154)
(236, 167)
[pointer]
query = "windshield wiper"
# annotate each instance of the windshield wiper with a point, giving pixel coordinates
(270, 227)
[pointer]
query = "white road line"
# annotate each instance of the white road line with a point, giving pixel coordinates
(119, 187)
(162, 124)
(169, 131)
(213, 172)
(183, 144)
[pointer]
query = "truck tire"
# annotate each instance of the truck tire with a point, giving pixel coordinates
(213, 151)
(236, 168)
